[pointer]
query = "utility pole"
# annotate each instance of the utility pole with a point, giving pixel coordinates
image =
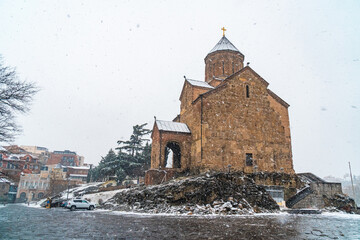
(67, 197)
(352, 185)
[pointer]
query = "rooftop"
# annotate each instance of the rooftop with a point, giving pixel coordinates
(80, 168)
(172, 126)
(199, 83)
(224, 44)
(2, 149)
(4, 180)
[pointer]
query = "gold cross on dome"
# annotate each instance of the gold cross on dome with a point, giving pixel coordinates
(223, 29)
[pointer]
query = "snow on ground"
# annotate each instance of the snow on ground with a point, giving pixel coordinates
(78, 189)
(104, 196)
(341, 215)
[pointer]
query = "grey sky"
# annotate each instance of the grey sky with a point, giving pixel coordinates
(104, 66)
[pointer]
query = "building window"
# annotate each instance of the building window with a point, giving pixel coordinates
(233, 69)
(247, 91)
(249, 159)
(214, 69)
(223, 67)
(23, 196)
(40, 195)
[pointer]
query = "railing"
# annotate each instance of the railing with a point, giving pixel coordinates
(298, 197)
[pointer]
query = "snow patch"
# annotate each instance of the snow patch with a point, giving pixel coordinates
(104, 196)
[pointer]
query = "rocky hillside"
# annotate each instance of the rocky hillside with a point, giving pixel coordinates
(218, 193)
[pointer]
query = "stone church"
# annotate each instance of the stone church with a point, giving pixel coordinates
(231, 121)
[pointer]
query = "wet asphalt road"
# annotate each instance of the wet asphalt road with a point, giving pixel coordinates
(21, 222)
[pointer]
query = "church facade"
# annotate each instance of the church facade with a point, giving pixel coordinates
(230, 121)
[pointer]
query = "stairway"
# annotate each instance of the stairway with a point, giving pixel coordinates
(298, 197)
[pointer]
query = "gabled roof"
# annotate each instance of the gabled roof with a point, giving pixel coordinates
(198, 83)
(278, 99)
(169, 126)
(252, 70)
(223, 84)
(223, 45)
(195, 83)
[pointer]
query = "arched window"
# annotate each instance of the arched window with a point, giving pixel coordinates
(247, 91)
(23, 196)
(223, 67)
(40, 195)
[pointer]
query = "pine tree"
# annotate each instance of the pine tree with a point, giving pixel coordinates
(108, 164)
(135, 144)
(132, 159)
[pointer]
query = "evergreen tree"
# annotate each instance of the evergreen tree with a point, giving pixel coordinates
(135, 144)
(132, 159)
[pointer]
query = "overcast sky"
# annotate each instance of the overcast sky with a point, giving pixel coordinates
(104, 66)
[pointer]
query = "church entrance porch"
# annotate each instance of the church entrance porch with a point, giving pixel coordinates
(172, 155)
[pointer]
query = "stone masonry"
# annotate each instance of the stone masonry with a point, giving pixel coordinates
(236, 123)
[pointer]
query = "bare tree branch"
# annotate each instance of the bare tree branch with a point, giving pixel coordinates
(15, 97)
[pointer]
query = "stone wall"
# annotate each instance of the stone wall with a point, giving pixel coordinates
(222, 63)
(156, 176)
(290, 182)
(330, 189)
(233, 125)
(189, 94)
(240, 117)
(159, 142)
(320, 192)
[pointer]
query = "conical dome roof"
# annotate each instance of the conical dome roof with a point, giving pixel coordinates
(224, 44)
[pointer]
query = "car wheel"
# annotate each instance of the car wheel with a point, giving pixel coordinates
(91, 207)
(73, 208)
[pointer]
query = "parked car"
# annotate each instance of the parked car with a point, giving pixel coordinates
(80, 204)
(63, 204)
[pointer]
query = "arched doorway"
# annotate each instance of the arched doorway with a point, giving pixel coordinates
(172, 155)
(40, 195)
(23, 196)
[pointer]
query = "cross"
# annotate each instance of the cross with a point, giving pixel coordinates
(223, 29)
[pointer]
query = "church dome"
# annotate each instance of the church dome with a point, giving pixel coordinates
(223, 60)
(224, 45)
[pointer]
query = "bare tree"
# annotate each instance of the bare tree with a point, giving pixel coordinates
(15, 97)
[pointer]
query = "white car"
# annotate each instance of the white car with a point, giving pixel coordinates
(80, 204)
